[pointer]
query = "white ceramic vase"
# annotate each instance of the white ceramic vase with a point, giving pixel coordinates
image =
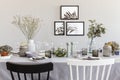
(31, 46)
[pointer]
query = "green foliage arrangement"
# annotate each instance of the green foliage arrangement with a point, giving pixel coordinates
(95, 30)
(60, 52)
(6, 48)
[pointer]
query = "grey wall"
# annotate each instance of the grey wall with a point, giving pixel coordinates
(104, 11)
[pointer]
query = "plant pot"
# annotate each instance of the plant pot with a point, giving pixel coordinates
(4, 53)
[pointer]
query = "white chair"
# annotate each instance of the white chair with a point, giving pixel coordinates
(91, 69)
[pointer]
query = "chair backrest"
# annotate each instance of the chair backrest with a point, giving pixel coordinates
(91, 69)
(29, 69)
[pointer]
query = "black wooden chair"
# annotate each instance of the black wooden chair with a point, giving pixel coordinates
(29, 69)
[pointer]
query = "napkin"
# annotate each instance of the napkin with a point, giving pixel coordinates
(91, 58)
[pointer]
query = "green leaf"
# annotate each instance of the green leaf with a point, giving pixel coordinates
(95, 29)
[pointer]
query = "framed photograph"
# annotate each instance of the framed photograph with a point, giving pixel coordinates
(69, 12)
(75, 28)
(59, 27)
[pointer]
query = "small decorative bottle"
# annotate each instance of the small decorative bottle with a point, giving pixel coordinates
(71, 49)
(67, 45)
(31, 46)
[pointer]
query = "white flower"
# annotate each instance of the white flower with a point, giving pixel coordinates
(28, 25)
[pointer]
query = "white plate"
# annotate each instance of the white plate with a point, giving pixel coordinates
(91, 58)
(6, 57)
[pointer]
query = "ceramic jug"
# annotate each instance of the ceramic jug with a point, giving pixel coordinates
(107, 50)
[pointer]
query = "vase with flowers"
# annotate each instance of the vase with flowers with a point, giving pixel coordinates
(95, 30)
(29, 26)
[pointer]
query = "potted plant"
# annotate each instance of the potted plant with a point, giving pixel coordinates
(5, 50)
(95, 30)
(60, 52)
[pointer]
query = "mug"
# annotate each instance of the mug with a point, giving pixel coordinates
(95, 53)
(117, 52)
(84, 51)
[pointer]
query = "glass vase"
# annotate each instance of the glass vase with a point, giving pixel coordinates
(75, 49)
(92, 45)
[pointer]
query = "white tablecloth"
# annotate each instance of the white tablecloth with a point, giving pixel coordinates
(61, 69)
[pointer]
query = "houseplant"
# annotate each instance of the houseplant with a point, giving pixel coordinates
(95, 30)
(60, 52)
(114, 45)
(29, 26)
(5, 50)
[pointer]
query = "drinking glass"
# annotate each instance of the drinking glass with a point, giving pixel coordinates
(76, 49)
(43, 47)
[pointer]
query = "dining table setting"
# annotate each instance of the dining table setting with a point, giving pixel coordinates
(60, 67)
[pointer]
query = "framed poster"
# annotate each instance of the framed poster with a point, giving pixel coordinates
(75, 28)
(69, 12)
(59, 27)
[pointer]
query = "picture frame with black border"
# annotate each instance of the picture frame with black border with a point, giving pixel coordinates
(59, 28)
(75, 28)
(69, 12)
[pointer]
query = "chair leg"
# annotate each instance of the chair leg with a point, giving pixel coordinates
(39, 76)
(18, 76)
(48, 75)
(12, 75)
(31, 76)
(25, 76)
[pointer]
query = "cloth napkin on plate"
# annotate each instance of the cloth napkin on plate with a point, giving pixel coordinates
(91, 58)
(34, 56)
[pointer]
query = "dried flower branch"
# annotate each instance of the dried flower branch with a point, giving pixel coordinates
(71, 29)
(114, 45)
(28, 25)
(69, 15)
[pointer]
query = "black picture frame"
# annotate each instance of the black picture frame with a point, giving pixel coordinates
(59, 28)
(69, 12)
(75, 28)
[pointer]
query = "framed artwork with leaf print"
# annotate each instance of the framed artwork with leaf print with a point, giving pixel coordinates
(59, 27)
(75, 28)
(69, 12)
